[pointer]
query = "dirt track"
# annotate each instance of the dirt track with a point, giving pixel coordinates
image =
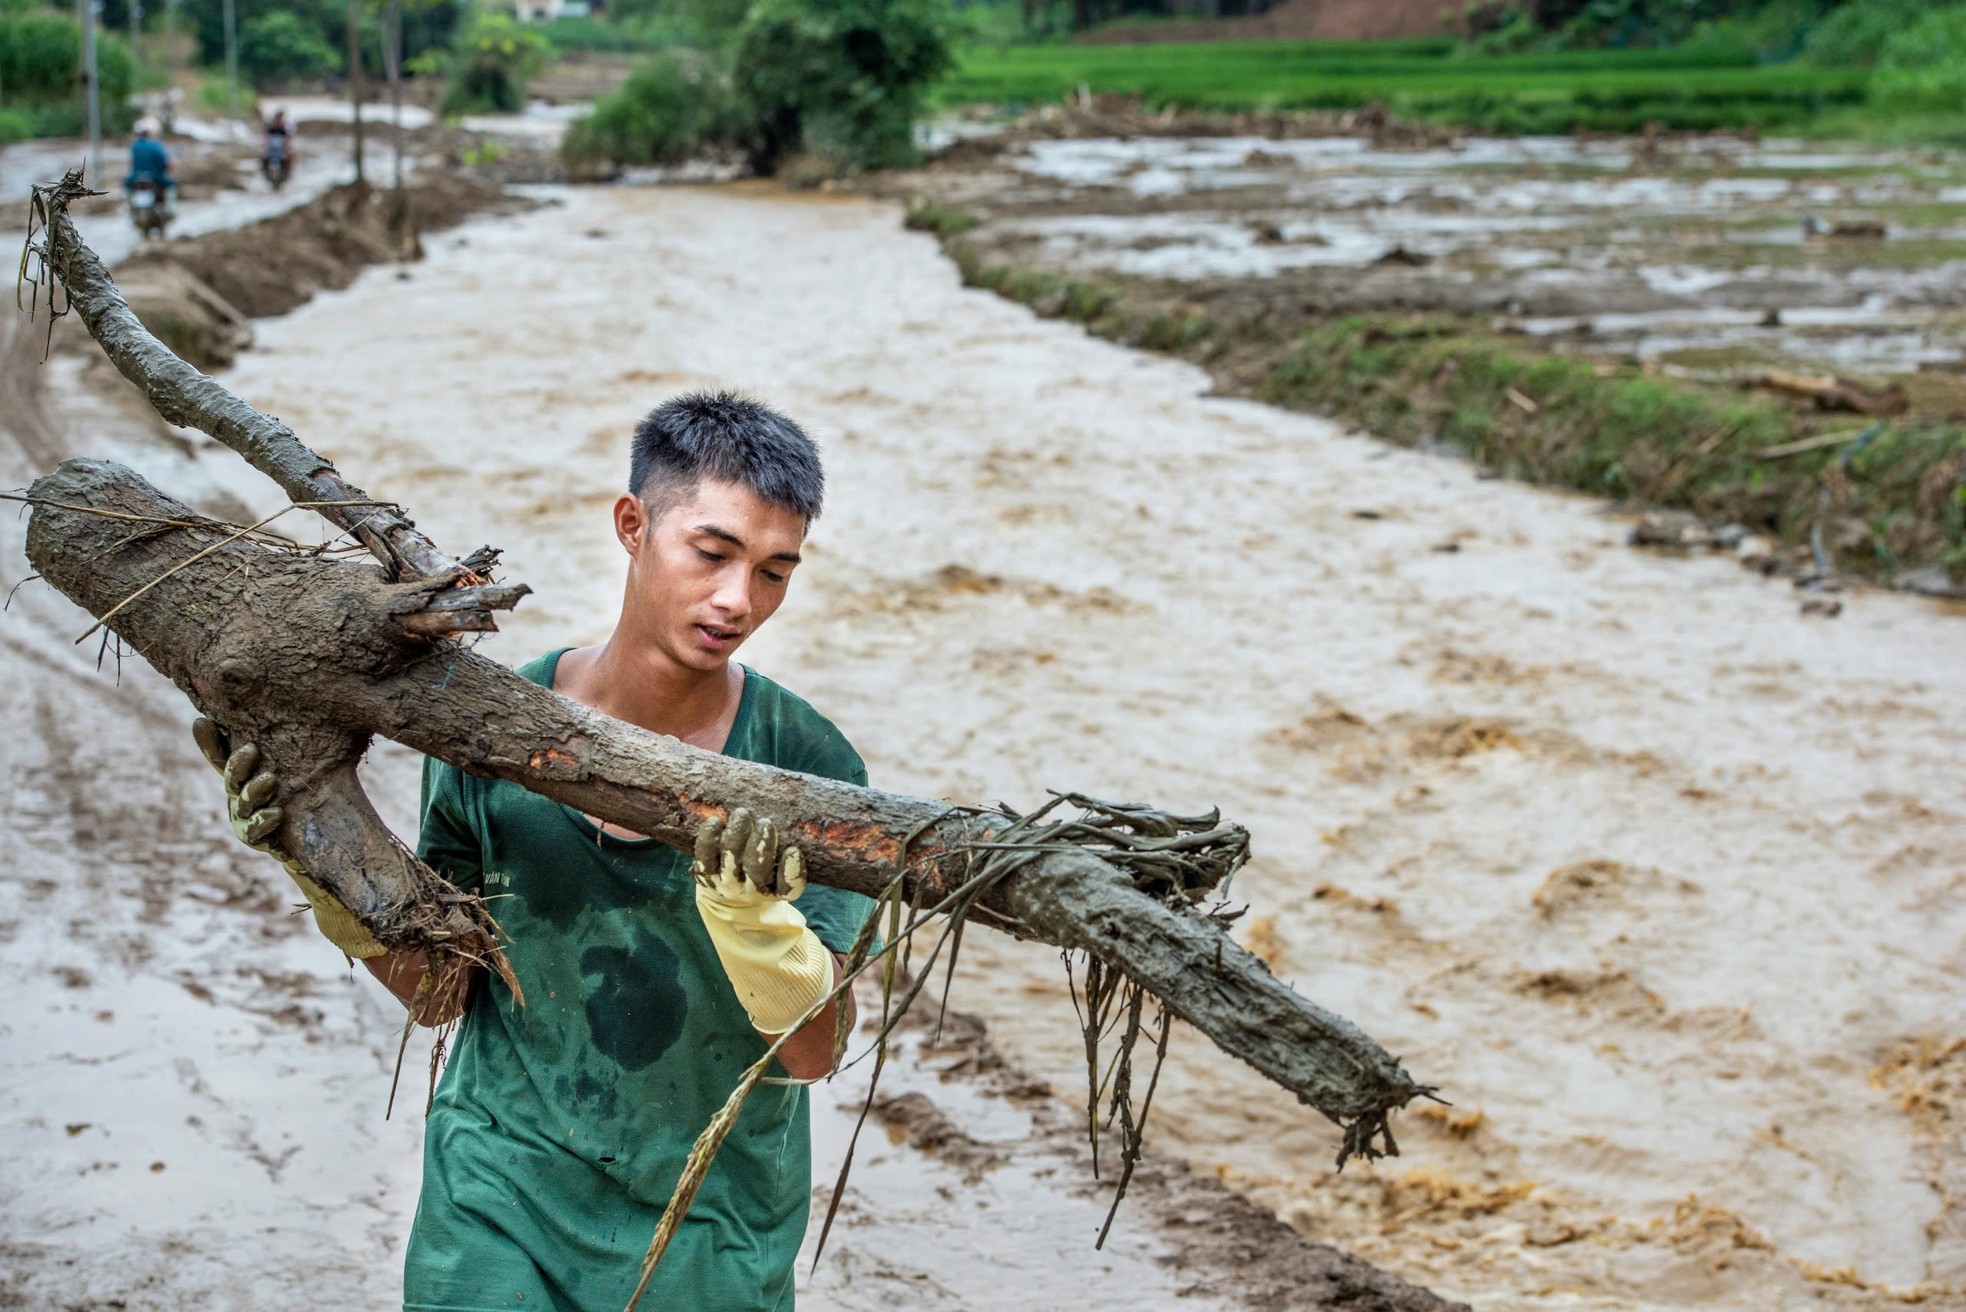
(1657, 878)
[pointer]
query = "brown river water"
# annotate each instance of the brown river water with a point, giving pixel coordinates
(1658, 878)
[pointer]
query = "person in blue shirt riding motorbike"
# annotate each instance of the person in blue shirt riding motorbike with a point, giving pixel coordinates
(150, 162)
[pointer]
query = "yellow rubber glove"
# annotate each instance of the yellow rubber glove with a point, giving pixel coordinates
(745, 887)
(248, 801)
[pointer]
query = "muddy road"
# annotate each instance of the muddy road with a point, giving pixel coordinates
(1656, 877)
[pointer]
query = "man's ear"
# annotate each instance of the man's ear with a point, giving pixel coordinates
(631, 522)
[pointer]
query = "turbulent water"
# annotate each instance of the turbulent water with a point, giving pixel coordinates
(1657, 877)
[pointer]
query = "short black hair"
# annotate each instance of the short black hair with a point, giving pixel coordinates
(730, 438)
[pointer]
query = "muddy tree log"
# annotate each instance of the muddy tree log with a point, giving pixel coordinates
(311, 657)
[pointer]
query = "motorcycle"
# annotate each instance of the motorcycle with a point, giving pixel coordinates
(150, 207)
(276, 165)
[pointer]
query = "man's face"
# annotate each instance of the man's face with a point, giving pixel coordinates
(709, 571)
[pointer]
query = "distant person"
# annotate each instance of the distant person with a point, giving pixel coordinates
(276, 158)
(650, 980)
(150, 163)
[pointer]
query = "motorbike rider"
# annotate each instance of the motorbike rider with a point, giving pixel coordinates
(151, 163)
(278, 153)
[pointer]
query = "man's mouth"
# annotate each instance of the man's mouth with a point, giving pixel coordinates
(718, 636)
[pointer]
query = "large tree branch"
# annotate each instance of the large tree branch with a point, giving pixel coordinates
(190, 399)
(308, 657)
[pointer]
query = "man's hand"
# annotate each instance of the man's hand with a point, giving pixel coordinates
(249, 801)
(746, 882)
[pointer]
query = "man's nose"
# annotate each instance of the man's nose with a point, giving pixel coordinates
(733, 594)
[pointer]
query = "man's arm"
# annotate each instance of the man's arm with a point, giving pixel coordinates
(252, 804)
(405, 974)
(809, 1054)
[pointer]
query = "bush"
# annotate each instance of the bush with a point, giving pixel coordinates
(40, 60)
(281, 47)
(1924, 66)
(15, 125)
(490, 65)
(842, 79)
(212, 92)
(668, 110)
(1856, 33)
(39, 54)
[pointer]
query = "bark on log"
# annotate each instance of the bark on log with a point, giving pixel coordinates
(310, 657)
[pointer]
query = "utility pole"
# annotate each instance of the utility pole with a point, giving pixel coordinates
(231, 58)
(93, 102)
(355, 77)
(392, 54)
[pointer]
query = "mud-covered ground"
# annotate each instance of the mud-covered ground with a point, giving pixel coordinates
(1708, 257)
(198, 1089)
(1658, 879)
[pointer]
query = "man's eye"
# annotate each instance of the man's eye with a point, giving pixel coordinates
(708, 555)
(775, 578)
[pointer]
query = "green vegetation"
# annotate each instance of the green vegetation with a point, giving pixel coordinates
(1924, 65)
(489, 65)
(40, 78)
(1535, 66)
(428, 25)
(598, 35)
(842, 81)
(1550, 92)
(1891, 497)
(670, 109)
(282, 47)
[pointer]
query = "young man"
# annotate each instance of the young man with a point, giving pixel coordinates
(651, 981)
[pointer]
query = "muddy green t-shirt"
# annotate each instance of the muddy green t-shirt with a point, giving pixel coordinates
(560, 1125)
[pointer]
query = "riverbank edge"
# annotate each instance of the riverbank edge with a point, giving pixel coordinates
(1805, 496)
(199, 295)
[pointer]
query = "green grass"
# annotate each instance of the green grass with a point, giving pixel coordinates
(1606, 90)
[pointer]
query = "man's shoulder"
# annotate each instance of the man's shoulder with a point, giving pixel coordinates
(788, 732)
(539, 669)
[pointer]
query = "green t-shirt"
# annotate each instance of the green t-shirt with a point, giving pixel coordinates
(560, 1126)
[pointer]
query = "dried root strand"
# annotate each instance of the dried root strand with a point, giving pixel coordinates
(1180, 858)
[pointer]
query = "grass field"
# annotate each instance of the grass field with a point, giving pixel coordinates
(1609, 90)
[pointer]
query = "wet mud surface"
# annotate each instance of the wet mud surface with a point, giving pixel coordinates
(1655, 877)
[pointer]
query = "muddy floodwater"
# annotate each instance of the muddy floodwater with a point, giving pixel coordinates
(1702, 255)
(1657, 878)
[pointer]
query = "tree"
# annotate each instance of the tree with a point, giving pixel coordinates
(844, 79)
(281, 47)
(427, 24)
(490, 64)
(1924, 65)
